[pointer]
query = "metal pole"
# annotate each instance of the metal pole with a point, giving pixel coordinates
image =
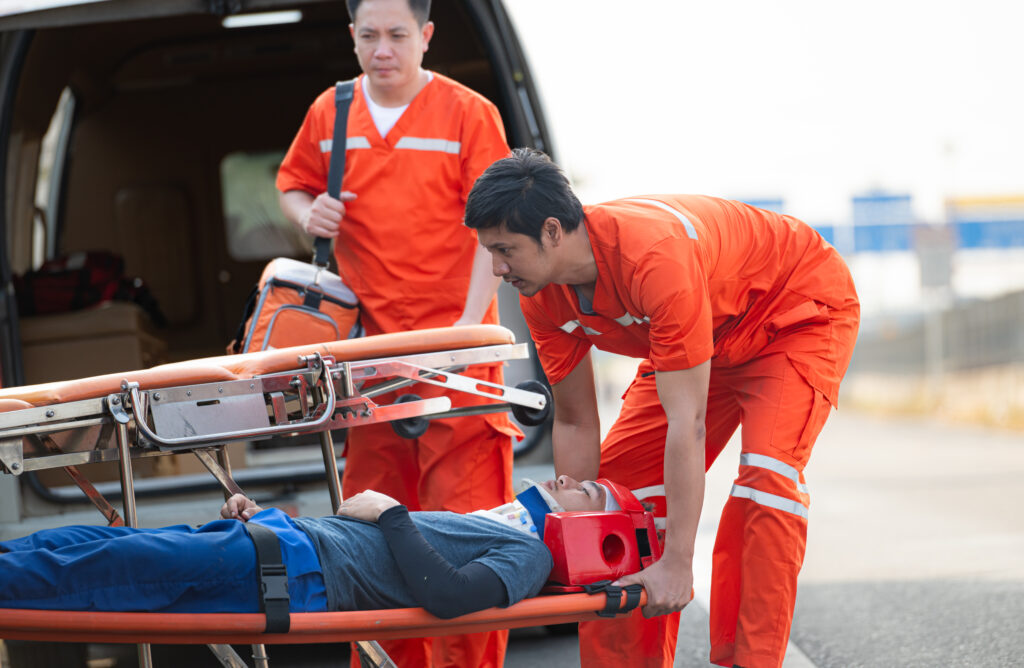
(128, 497)
(331, 469)
(327, 441)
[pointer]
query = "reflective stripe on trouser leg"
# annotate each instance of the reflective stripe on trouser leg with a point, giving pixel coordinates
(758, 555)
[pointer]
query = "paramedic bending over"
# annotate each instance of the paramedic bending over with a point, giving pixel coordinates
(373, 554)
(416, 141)
(742, 316)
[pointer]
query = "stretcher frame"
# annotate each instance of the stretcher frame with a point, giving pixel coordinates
(202, 405)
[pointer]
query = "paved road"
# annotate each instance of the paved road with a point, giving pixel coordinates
(915, 552)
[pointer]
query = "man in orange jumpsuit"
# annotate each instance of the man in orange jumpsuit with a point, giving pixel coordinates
(416, 141)
(741, 316)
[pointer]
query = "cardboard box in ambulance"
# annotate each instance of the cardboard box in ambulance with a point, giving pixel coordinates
(150, 131)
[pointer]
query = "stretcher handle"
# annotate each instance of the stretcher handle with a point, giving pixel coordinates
(212, 439)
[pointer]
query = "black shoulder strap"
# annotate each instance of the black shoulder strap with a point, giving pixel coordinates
(274, 598)
(342, 100)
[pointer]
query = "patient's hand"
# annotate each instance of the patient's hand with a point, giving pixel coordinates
(366, 505)
(239, 507)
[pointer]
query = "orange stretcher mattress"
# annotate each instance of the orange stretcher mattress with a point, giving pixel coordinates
(306, 627)
(248, 365)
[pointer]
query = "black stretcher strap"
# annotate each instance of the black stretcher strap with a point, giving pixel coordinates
(612, 605)
(343, 93)
(274, 597)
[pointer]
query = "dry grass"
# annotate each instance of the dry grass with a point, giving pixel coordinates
(993, 396)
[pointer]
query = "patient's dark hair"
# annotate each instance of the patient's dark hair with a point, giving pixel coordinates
(420, 9)
(521, 192)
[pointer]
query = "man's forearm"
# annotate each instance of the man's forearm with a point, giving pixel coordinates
(577, 449)
(684, 489)
(295, 204)
(483, 285)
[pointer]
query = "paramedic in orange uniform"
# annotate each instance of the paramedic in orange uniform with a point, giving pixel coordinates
(416, 141)
(741, 316)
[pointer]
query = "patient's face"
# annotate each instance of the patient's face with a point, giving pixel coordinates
(572, 495)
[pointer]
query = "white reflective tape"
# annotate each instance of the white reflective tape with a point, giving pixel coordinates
(350, 143)
(691, 231)
(770, 500)
(570, 326)
(772, 464)
(647, 492)
(429, 144)
(627, 319)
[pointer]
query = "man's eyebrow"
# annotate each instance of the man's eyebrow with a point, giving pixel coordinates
(593, 485)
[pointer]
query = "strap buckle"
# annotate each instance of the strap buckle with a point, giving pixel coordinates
(613, 603)
(274, 582)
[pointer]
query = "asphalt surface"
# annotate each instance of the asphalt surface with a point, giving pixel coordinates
(915, 552)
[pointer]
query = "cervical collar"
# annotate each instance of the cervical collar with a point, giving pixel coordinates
(528, 512)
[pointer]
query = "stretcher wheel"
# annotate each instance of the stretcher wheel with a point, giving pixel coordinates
(410, 427)
(531, 417)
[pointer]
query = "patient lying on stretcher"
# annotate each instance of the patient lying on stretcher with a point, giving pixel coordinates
(373, 554)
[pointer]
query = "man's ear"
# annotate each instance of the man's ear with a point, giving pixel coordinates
(428, 32)
(551, 229)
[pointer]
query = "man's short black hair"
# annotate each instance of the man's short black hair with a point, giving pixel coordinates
(521, 192)
(420, 9)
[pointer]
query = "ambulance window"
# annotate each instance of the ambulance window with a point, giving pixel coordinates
(52, 155)
(255, 227)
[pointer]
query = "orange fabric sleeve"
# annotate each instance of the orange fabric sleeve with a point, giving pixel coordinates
(303, 167)
(671, 287)
(558, 351)
(484, 139)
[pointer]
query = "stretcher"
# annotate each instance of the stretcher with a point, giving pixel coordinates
(201, 405)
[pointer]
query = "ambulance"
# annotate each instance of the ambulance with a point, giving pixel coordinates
(137, 203)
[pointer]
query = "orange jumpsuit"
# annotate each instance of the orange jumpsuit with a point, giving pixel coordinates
(683, 279)
(404, 251)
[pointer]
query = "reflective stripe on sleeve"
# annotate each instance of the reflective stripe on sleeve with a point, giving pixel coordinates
(774, 465)
(691, 231)
(627, 319)
(645, 492)
(570, 326)
(770, 500)
(429, 144)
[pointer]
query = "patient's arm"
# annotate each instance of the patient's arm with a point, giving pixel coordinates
(239, 507)
(439, 587)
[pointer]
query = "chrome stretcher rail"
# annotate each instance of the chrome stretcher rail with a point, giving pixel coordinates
(322, 396)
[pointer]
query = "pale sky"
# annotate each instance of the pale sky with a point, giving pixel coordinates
(809, 101)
